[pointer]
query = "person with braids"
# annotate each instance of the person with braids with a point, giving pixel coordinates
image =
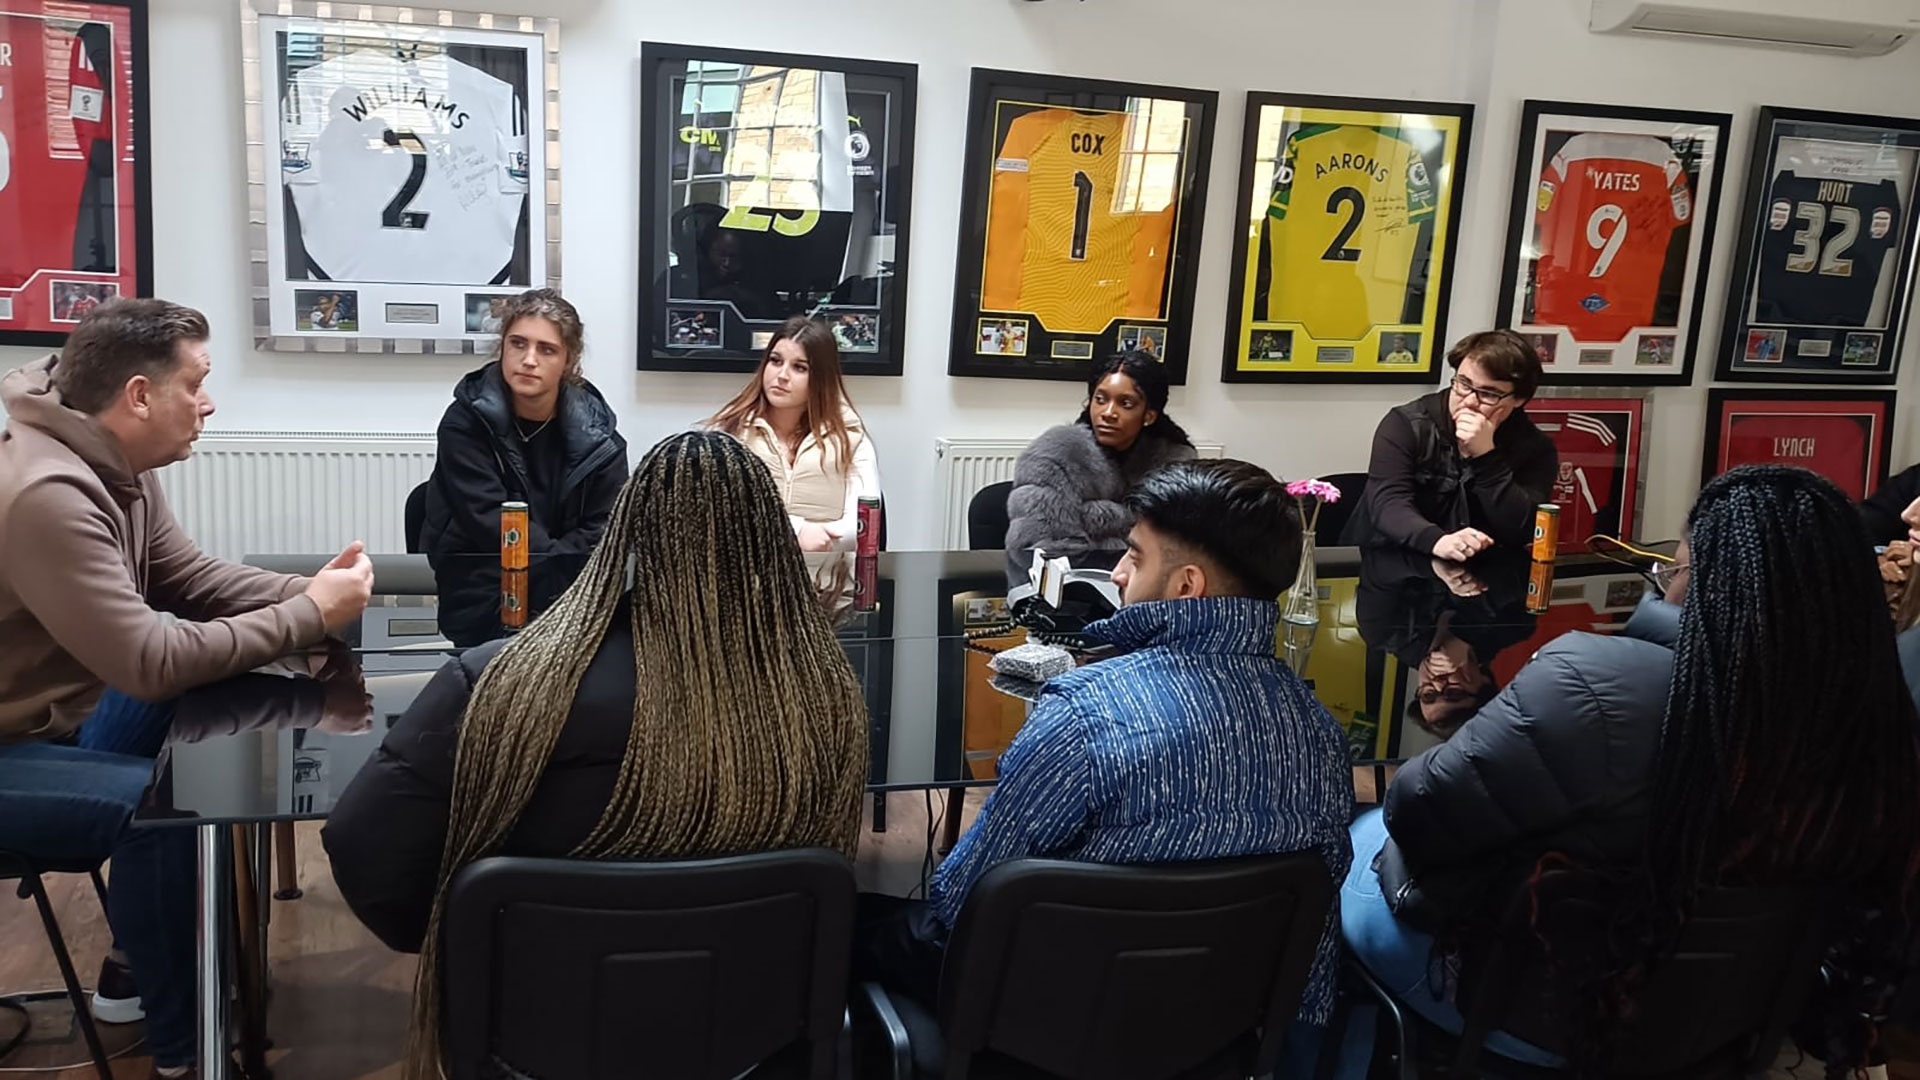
(794, 414)
(1749, 729)
(530, 428)
(707, 710)
(1068, 486)
(1463, 468)
(1197, 743)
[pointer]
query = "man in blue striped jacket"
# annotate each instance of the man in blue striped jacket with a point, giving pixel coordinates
(1196, 744)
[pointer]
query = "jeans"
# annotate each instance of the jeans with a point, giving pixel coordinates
(75, 803)
(1398, 956)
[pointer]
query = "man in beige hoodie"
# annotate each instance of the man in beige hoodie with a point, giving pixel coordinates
(107, 609)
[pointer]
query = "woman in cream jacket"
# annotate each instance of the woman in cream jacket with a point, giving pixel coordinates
(795, 416)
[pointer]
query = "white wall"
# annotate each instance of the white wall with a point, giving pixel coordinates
(1494, 53)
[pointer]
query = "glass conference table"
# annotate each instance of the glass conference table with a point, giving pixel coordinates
(1405, 650)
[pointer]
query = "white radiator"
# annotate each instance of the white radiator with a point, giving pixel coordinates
(964, 466)
(297, 492)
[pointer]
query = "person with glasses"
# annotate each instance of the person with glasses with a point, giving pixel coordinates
(1446, 622)
(1748, 727)
(1459, 470)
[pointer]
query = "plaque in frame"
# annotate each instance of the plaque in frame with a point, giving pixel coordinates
(404, 164)
(772, 185)
(1080, 218)
(1600, 441)
(1348, 213)
(1824, 274)
(1844, 435)
(1609, 238)
(74, 179)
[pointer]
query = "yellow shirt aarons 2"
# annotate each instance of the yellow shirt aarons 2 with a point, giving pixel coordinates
(1348, 248)
(1343, 227)
(1063, 243)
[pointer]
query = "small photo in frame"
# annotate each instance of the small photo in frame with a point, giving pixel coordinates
(1766, 346)
(1275, 345)
(854, 331)
(1002, 337)
(1399, 350)
(694, 328)
(1827, 245)
(484, 311)
(1151, 340)
(1598, 485)
(1844, 435)
(1609, 238)
(1655, 350)
(329, 311)
(70, 300)
(1080, 216)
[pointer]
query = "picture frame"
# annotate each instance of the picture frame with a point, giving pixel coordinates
(75, 169)
(1844, 435)
(1081, 209)
(1823, 276)
(1342, 273)
(772, 185)
(404, 172)
(1601, 441)
(1609, 240)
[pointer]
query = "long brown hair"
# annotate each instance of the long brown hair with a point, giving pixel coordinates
(826, 390)
(749, 727)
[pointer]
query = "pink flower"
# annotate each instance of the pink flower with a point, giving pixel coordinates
(1319, 489)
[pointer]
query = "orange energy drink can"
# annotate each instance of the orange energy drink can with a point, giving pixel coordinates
(1540, 588)
(513, 599)
(513, 536)
(1546, 532)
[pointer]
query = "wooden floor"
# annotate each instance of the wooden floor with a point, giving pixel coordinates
(341, 998)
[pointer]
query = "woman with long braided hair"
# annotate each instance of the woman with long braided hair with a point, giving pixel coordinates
(1750, 729)
(707, 710)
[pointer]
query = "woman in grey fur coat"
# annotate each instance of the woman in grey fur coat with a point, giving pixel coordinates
(1068, 484)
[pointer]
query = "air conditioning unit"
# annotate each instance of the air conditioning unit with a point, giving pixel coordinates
(1836, 27)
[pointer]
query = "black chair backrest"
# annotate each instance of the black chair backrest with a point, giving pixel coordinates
(987, 517)
(1119, 972)
(585, 969)
(1334, 517)
(1741, 972)
(416, 518)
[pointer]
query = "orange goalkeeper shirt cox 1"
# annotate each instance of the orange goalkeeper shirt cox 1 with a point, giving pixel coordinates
(1071, 238)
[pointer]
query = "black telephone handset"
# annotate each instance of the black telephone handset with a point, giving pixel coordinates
(1086, 597)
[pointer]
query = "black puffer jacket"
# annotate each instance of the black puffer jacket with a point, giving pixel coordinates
(386, 833)
(1419, 488)
(1562, 760)
(480, 464)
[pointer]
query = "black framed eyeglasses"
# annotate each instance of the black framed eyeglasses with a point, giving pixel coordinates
(1488, 397)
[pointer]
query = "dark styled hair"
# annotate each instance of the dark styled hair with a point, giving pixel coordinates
(1506, 355)
(118, 340)
(826, 389)
(548, 304)
(1150, 375)
(1231, 514)
(1789, 754)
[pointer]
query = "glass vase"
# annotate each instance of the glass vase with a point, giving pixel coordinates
(1300, 613)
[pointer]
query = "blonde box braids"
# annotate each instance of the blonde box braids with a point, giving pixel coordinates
(749, 728)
